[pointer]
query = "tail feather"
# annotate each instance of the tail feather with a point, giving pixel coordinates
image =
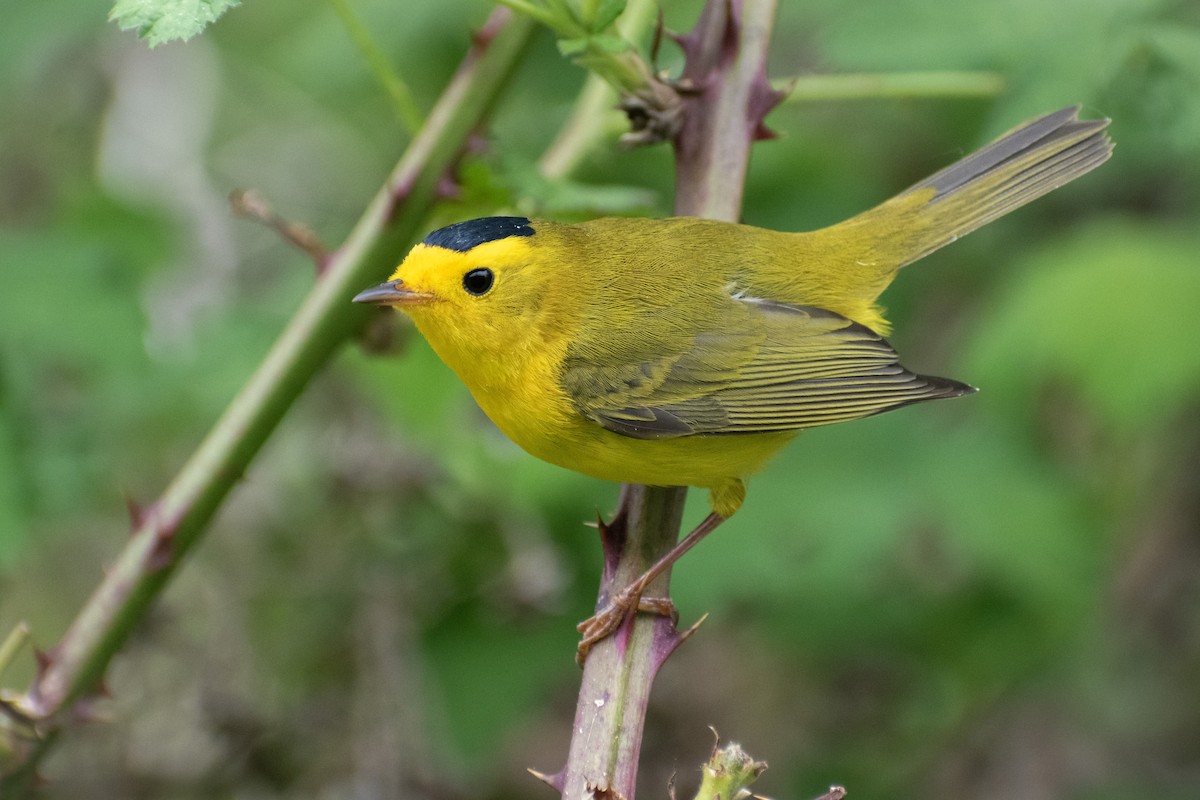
(1047, 135)
(1035, 181)
(1017, 168)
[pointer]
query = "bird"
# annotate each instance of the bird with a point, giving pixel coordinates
(686, 351)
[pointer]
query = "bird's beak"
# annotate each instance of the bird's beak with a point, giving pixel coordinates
(392, 293)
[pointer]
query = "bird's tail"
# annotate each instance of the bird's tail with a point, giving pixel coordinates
(1019, 167)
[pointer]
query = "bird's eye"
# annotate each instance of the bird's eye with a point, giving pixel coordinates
(478, 281)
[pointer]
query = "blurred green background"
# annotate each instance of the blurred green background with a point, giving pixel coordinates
(993, 598)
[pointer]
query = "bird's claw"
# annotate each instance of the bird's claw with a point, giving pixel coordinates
(604, 622)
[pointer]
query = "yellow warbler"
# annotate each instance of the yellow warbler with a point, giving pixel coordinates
(686, 352)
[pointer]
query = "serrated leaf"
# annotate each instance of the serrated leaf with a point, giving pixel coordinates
(159, 21)
(607, 14)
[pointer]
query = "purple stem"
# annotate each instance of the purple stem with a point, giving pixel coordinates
(726, 64)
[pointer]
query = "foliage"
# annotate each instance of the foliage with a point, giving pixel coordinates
(160, 21)
(587, 33)
(990, 598)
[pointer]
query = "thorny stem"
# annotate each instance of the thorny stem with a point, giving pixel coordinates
(165, 530)
(726, 57)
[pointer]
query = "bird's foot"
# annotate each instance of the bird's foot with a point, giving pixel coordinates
(604, 622)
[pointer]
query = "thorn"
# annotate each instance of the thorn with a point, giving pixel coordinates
(137, 512)
(162, 554)
(483, 37)
(674, 640)
(763, 100)
(612, 538)
(612, 545)
(44, 659)
(398, 193)
(447, 189)
(695, 626)
(554, 781)
(764, 134)
(86, 711)
(477, 144)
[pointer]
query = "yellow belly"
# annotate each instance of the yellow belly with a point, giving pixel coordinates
(555, 432)
(706, 461)
(525, 400)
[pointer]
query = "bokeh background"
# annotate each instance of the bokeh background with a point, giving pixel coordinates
(993, 598)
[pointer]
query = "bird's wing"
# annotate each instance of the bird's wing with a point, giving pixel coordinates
(778, 367)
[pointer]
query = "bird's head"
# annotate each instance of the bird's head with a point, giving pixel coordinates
(478, 286)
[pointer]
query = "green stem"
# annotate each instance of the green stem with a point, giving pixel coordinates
(817, 88)
(582, 130)
(326, 319)
(401, 96)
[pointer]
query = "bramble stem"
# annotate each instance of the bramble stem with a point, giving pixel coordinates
(729, 46)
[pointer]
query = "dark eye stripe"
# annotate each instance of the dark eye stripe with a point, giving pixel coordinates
(478, 281)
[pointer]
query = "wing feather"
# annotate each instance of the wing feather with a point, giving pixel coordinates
(776, 367)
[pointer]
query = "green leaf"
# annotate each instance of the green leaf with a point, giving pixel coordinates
(572, 47)
(602, 45)
(159, 21)
(608, 45)
(607, 14)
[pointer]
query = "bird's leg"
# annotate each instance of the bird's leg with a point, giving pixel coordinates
(629, 600)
